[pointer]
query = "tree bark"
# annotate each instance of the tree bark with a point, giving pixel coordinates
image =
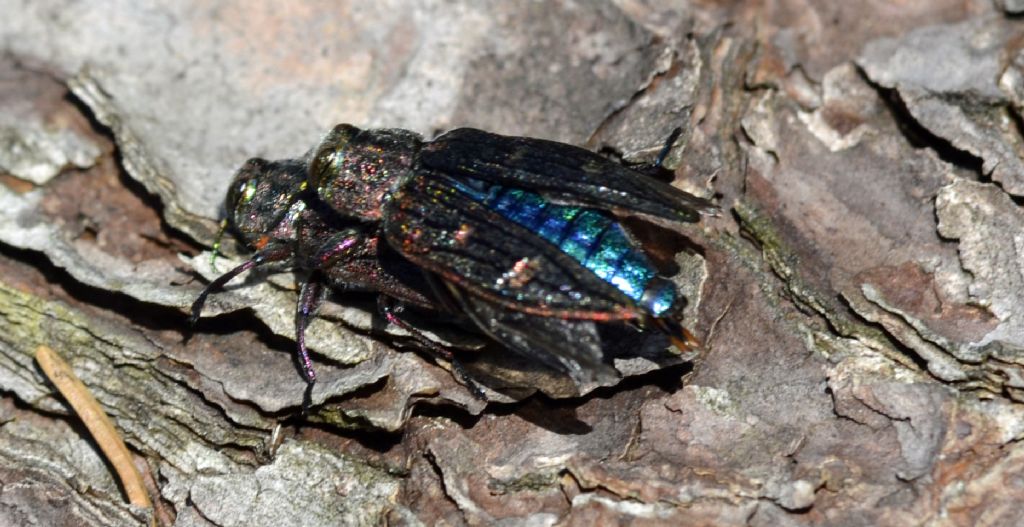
(858, 299)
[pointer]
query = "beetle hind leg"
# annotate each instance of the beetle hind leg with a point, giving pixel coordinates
(657, 169)
(667, 148)
(680, 337)
(390, 313)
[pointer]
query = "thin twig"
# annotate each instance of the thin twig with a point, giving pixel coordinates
(96, 421)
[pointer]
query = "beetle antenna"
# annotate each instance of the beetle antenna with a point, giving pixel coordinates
(216, 244)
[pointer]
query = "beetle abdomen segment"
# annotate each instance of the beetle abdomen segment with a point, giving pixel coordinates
(591, 237)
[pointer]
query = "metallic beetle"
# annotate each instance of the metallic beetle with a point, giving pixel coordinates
(517, 236)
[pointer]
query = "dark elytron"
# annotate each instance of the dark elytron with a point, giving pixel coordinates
(513, 235)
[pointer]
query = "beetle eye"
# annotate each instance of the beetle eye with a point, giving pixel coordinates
(248, 191)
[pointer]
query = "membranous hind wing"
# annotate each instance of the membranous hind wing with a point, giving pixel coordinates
(571, 346)
(560, 172)
(443, 230)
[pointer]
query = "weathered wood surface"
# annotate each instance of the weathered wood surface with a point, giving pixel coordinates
(860, 300)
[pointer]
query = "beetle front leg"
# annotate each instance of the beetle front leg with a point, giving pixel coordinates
(270, 253)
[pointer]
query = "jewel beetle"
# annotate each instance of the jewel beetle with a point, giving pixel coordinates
(518, 237)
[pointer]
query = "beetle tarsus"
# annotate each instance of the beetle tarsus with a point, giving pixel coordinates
(307, 397)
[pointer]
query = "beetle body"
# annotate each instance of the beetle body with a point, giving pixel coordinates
(517, 236)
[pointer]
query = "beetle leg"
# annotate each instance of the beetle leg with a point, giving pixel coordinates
(271, 253)
(679, 336)
(310, 296)
(672, 137)
(390, 313)
(657, 169)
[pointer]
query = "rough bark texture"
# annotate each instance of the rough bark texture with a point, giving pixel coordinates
(860, 301)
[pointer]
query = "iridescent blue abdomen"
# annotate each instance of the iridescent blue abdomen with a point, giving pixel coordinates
(591, 237)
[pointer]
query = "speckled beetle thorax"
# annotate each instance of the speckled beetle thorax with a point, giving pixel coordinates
(353, 170)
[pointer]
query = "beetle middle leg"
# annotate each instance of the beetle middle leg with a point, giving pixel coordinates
(390, 313)
(311, 294)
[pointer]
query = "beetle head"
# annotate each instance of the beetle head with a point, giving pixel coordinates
(263, 201)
